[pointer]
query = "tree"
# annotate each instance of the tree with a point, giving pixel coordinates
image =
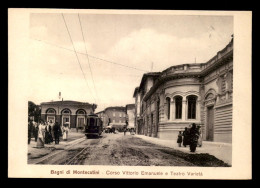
(34, 111)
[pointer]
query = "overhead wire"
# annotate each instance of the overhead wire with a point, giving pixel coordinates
(91, 56)
(88, 57)
(77, 56)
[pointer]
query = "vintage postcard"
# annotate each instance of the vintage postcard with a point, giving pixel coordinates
(138, 94)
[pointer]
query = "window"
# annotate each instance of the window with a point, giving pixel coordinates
(114, 121)
(66, 112)
(168, 101)
(114, 114)
(51, 111)
(119, 114)
(178, 107)
(192, 107)
(82, 112)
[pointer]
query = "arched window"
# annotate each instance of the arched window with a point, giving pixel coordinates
(192, 106)
(81, 112)
(50, 111)
(66, 112)
(178, 107)
(168, 102)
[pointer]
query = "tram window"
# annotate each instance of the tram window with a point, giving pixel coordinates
(92, 122)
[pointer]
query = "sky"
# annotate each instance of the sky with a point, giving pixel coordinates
(141, 43)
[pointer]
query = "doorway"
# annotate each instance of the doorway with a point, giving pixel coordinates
(210, 124)
(81, 122)
(66, 119)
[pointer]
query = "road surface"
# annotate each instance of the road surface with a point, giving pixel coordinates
(128, 150)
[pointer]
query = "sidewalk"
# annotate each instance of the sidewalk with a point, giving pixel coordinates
(222, 151)
(36, 153)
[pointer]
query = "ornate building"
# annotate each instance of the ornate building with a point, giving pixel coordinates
(72, 112)
(168, 101)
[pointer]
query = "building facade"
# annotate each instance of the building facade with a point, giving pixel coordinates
(201, 93)
(116, 116)
(104, 118)
(130, 115)
(72, 112)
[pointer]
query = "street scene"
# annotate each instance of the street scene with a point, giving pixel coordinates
(118, 150)
(130, 90)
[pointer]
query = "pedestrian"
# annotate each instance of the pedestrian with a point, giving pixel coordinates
(30, 130)
(40, 140)
(200, 136)
(179, 140)
(124, 131)
(35, 131)
(57, 132)
(186, 137)
(65, 131)
(194, 136)
(52, 131)
(114, 130)
(48, 137)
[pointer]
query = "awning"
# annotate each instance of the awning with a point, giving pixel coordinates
(117, 125)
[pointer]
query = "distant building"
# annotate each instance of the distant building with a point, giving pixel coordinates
(72, 112)
(116, 116)
(130, 114)
(104, 118)
(202, 93)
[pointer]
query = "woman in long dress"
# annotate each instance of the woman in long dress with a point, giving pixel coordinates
(65, 132)
(41, 134)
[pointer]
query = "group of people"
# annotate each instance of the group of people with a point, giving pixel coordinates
(190, 136)
(47, 132)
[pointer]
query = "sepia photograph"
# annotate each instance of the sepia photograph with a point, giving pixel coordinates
(128, 94)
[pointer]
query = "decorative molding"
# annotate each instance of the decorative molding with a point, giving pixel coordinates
(210, 102)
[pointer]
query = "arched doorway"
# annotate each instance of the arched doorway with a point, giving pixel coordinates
(65, 119)
(51, 115)
(209, 106)
(81, 119)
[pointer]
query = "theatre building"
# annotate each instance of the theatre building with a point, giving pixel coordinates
(73, 113)
(166, 102)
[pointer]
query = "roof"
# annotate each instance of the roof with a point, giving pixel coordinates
(100, 112)
(130, 106)
(67, 102)
(149, 74)
(136, 90)
(116, 108)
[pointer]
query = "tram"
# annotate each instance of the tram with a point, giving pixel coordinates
(94, 126)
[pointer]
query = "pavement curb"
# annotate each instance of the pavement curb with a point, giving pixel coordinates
(166, 143)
